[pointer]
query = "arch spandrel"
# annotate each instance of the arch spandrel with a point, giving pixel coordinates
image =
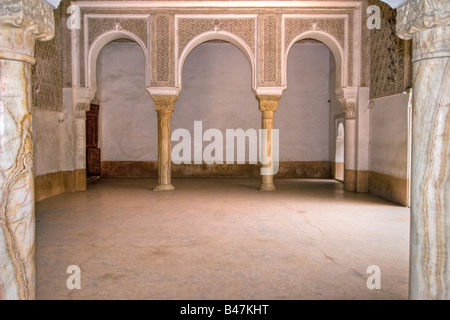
(99, 43)
(219, 35)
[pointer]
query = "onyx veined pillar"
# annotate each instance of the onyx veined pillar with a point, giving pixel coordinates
(164, 106)
(21, 23)
(427, 23)
(268, 104)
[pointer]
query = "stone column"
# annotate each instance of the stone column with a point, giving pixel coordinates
(82, 98)
(350, 149)
(427, 23)
(164, 106)
(22, 22)
(347, 99)
(80, 180)
(268, 104)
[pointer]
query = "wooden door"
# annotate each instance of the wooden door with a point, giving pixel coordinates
(92, 150)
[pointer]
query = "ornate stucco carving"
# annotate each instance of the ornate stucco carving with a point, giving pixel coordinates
(164, 104)
(336, 26)
(48, 71)
(390, 57)
(270, 75)
(333, 26)
(189, 28)
(268, 103)
(93, 26)
(162, 48)
(22, 23)
(259, 30)
(97, 26)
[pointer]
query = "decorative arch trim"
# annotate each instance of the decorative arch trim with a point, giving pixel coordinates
(99, 43)
(216, 35)
(336, 49)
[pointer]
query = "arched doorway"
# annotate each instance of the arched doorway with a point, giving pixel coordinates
(217, 97)
(339, 154)
(305, 116)
(127, 135)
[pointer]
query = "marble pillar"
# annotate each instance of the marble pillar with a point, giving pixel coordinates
(427, 23)
(268, 104)
(80, 182)
(82, 98)
(347, 99)
(22, 22)
(350, 151)
(164, 106)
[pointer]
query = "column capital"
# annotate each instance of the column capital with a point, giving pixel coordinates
(268, 102)
(347, 98)
(427, 22)
(164, 103)
(81, 109)
(415, 15)
(82, 100)
(22, 22)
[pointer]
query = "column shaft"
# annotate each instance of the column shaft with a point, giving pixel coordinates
(350, 154)
(268, 105)
(430, 182)
(427, 24)
(21, 24)
(17, 219)
(164, 106)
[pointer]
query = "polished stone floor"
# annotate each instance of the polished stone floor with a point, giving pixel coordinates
(220, 238)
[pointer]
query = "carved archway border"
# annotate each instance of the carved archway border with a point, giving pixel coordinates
(192, 30)
(135, 27)
(99, 43)
(331, 29)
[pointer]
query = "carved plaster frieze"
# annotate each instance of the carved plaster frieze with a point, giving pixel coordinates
(162, 48)
(298, 25)
(164, 104)
(22, 22)
(99, 25)
(270, 35)
(268, 103)
(191, 27)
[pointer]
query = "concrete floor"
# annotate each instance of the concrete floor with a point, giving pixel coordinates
(220, 238)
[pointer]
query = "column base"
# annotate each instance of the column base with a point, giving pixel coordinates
(164, 187)
(267, 187)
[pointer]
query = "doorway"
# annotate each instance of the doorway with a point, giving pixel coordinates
(339, 156)
(93, 152)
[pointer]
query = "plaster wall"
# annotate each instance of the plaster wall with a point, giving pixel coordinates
(388, 135)
(388, 152)
(128, 125)
(217, 91)
(303, 110)
(47, 141)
